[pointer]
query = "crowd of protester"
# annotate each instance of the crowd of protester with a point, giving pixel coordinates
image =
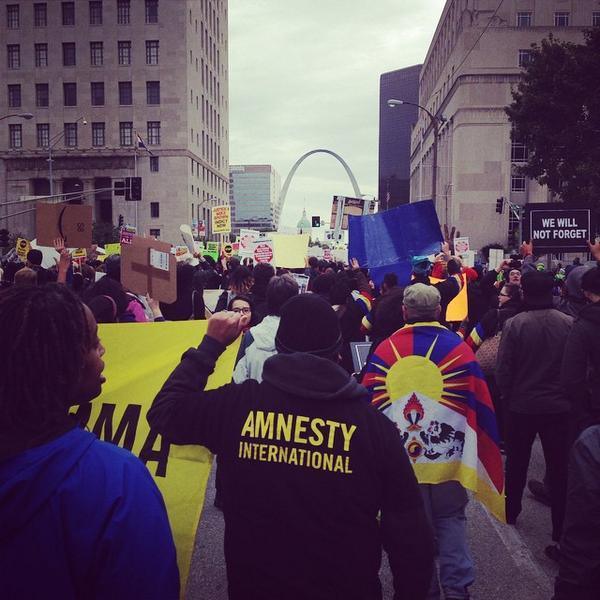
(534, 330)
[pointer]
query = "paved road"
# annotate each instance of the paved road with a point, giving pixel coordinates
(510, 561)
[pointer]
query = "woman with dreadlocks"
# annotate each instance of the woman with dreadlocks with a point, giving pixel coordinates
(79, 518)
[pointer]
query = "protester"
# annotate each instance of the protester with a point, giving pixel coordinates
(189, 303)
(26, 276)
(78, 517)
(406, 378)
(307, 466)
(259, 343)
(485, 341)
(240, 283)
(109, 302)
(579, 573)
(580, 373)
(242, 305)
(262, 274)
(448, 288)
(528, 374)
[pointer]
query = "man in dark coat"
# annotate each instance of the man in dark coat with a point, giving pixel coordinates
(580, 373)
(528, 375)
(307, 465)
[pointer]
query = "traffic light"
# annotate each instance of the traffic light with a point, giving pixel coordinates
(4, 238)
(316, 221)
(121, 221)
(500, 205)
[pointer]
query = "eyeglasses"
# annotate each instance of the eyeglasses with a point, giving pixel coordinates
(245, 310)
(505, 295)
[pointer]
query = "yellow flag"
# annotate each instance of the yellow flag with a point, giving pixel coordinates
(139, 358)
(459, 306)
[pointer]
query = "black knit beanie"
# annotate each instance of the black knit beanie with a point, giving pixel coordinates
(308, 324)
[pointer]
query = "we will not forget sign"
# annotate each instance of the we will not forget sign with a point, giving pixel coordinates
(558, 228)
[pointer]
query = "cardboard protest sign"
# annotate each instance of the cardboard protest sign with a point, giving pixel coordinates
(290, 250)
(71, 222)
(23, 248)
(386, 242)
(352, 206)
(247, 239)
(221, 219)
(557, 228)
(138, 361)
(79, 253)
(112, 249)
(461, 245)
(127, 233)
(263, 252)
(148, 267)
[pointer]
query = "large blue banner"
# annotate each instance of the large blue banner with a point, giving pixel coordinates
(387, 241)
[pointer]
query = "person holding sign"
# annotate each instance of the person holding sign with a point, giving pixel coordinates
(307, 466)
(78, 517)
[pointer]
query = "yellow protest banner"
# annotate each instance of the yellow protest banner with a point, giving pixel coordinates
(139, 358)
(459, 307)
(23, 248)
(221, 219)
(112, 249)
(290, 250)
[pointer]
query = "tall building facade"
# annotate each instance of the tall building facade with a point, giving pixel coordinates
(95, 75)
(474, 61)
(395, 128)
(254, 197)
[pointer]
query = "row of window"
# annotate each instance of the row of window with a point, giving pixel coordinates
(95, 13)
(561, 19)
(69, 54)
(15, 134)
(97, 95)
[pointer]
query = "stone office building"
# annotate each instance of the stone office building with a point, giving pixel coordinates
(473, 62)
(97, 74)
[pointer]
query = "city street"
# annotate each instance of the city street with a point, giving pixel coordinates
(510, 561)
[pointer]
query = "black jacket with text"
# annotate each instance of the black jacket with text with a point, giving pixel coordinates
(307, 464)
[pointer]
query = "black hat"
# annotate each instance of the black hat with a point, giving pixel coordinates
(537, 288)
(308, 324)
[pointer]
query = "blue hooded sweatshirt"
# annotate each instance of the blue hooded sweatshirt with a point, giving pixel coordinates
(81, 518)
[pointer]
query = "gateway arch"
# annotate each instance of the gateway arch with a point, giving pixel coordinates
(288, 179)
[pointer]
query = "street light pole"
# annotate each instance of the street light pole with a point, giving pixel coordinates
(26, 116)
(435, 122)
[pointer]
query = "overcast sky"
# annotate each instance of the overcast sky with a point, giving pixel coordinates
(305, 75)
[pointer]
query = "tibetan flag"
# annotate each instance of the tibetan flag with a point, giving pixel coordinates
(427, 380)
(142, 144)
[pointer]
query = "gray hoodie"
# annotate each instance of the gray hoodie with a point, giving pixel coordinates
(251, 364)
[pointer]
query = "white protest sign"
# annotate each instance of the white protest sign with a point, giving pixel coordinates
(247, 239)
(302, 281)
(461, 245)
(468, 258)
(262, 251)
(159, 260)
(496, 258)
